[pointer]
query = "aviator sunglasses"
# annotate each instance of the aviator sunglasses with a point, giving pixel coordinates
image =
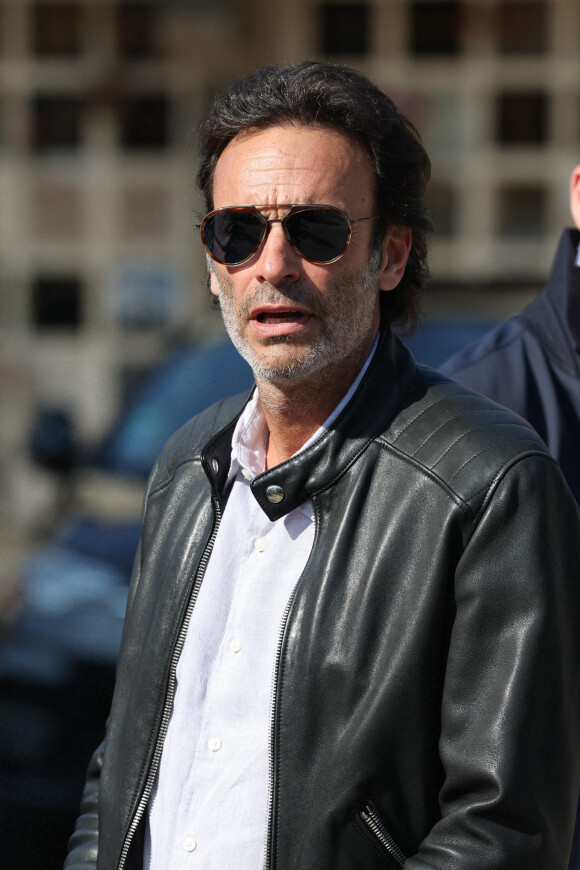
(319, 233)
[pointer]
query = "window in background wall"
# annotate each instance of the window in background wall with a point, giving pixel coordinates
(438, 117)
(136, 31)
(56, 302)
(522, 211)
(522, 27)
(344, 28)
(56, 30)
(144, 122)
(55, 122)
(56, 211)
(522, 118)
(144, 213)
(145, 294)
(434, 28)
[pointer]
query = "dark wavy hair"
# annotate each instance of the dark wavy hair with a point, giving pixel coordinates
(341, 98)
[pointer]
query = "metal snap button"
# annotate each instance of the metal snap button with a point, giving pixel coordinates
(275, 494)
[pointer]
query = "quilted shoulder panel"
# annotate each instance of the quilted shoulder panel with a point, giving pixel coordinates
(187, 443)
(467, 441)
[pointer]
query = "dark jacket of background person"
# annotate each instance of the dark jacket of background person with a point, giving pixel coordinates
(430, 655)
(531, 363)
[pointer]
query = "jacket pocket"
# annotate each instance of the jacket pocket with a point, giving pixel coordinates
(374, 829)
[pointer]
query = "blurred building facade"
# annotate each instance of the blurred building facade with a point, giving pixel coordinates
(100, 265)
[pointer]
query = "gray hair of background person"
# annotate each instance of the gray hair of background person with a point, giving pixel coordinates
(337, 97)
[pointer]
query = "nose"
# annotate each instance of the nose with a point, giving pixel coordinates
(277, 260)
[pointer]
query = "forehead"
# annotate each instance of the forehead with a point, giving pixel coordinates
(285, 164)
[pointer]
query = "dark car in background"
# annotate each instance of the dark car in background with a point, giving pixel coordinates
(57, 665)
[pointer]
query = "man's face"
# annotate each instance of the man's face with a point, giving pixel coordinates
(289, 318)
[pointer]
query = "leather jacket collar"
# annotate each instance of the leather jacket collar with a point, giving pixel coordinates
(304, 475)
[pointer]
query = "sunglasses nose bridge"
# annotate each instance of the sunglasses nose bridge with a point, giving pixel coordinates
(283, 221)
(277, 259)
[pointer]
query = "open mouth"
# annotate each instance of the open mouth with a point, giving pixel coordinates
(280, 316)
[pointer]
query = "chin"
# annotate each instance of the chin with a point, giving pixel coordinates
(295, 367)
(283, 359)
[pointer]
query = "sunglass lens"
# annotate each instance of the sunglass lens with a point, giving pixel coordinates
(233, 236)
(320, 234)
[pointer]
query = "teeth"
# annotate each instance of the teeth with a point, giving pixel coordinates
(278, 317)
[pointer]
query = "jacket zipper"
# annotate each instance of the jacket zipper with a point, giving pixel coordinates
(282, 632)
(161, 734)
(375, 824)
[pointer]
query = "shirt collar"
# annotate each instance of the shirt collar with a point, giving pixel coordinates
(250, 438)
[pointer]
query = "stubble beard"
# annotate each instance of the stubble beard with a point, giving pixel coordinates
(347, 322)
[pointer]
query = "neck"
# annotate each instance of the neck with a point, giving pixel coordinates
(296, 409)
(293, 416)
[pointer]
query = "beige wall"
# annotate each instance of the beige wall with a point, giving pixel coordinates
(122, 222)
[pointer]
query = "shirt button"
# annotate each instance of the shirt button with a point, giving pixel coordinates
(260, 544)
(247, 474)
(189, 844)
(214, 744)
(235, 645)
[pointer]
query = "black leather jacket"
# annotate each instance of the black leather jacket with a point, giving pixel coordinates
(426, 708)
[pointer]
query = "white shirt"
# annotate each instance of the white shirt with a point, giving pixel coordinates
(209, 807)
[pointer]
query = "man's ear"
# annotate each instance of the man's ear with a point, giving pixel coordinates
(213, 285)
(575, 195)
(396, 248)
(212, 281)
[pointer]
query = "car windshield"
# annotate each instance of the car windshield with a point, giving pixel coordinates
(189, 381)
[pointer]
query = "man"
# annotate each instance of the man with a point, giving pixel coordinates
(351, 638)
(531, 363)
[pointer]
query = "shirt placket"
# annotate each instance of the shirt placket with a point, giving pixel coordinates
(218, 743)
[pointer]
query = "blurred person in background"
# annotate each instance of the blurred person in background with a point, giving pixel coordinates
(531, 362)
(351, 636)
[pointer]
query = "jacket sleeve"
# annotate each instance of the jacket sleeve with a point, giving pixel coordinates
(84, 842)
(510, 718)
